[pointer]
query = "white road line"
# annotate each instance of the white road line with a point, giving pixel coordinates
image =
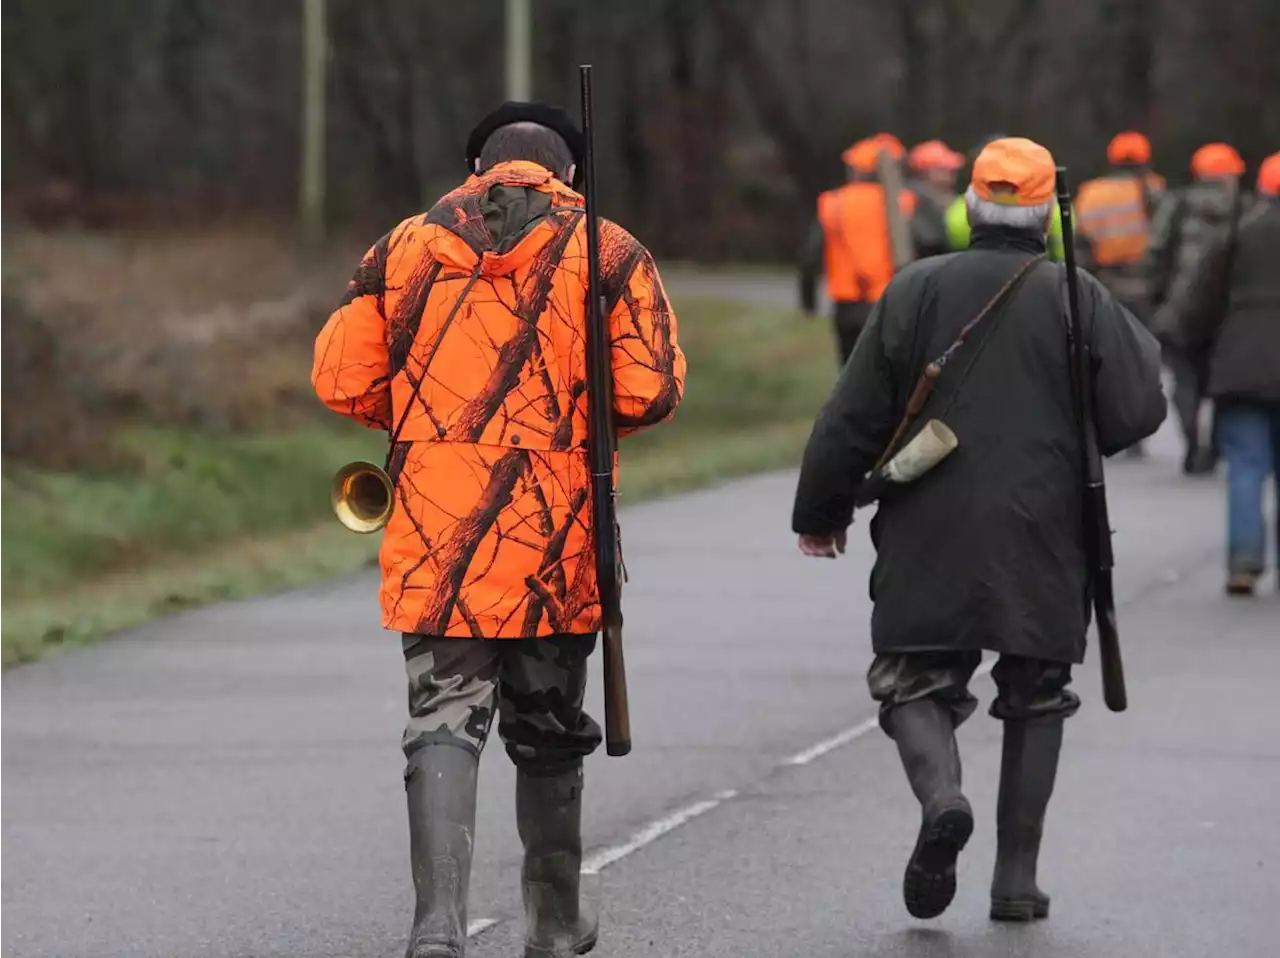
(829, 744)
(850, 734)
(652, 832)
(480, 924)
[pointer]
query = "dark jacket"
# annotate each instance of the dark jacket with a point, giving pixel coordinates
(929, 221)
(987, 551)
(1187, 222)
(1231, 321)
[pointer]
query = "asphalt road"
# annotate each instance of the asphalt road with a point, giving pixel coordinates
(227, 782)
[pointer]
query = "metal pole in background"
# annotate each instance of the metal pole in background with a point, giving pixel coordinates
(311, 174)
(519, 32)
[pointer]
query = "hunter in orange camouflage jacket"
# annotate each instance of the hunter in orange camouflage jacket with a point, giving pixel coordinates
(479, 306)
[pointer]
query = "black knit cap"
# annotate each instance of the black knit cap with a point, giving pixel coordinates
(543, 114)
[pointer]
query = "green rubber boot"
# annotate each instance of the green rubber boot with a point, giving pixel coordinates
(1028, 769)
(925, 734)
(440, 783)
(549, 819)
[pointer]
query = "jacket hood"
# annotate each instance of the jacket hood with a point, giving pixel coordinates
(500, 218)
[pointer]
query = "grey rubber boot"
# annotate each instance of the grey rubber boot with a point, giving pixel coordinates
(440, 783)
(925, 734)
(549, 819)
(1028, 769)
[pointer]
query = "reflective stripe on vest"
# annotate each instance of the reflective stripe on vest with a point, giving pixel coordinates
(1113, 219)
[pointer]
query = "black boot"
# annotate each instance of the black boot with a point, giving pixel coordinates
(1028, 768)
(549, 818)
(925, 733)
(440, 781)
(1200, 461)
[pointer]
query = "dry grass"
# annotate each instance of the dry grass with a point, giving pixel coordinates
(131, 279)
(211, 331)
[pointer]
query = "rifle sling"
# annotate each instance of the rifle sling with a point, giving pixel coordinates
(933, 370)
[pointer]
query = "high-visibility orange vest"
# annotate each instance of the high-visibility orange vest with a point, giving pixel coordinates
(1113, 217)
(857, 256)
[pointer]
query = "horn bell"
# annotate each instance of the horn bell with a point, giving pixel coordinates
(362, 496)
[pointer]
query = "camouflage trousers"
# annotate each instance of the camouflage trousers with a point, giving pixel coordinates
(536, 687)
(1026, 688)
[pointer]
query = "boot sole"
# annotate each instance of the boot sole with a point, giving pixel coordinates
(1007, 909)
(582, 948)
(930, 882)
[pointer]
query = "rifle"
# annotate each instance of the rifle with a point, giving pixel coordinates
(1097, 525)
(890, 175)
(602, 445)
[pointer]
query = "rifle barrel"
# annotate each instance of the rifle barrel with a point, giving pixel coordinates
(601, 449)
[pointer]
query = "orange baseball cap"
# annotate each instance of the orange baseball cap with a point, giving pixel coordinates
(934, 155)
(1217, 159)
(1129, 147)
(862, 155)
(1269, 175)
(1014, 171)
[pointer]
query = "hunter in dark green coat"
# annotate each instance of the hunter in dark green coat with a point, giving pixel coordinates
(987, 550)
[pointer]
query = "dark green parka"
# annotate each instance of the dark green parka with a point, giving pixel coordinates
(986, 551)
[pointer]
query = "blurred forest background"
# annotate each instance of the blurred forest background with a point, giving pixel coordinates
(720, 118)
(158, 305)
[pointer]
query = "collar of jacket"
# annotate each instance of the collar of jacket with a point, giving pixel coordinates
(525, 173)
(1006, 237)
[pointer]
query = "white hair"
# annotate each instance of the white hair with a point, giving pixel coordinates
(988, 213)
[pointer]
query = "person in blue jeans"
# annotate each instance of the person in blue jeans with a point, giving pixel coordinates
(1249, 434)
(1231, 326)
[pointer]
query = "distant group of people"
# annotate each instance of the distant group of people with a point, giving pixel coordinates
(1190, 262)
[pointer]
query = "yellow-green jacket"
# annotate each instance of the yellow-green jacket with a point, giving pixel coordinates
(958, 228)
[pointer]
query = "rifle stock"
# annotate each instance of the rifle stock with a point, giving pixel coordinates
(1097, 523)
(602, 446)
(900, 243)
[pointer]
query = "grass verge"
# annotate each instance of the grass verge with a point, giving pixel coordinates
(203, 518)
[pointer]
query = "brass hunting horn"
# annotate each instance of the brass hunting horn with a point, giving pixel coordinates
(362, 495)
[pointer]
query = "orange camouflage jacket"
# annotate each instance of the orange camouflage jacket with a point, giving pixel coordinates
(479, 305)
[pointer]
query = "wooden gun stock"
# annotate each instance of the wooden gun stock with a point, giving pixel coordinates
(901, 245)
(617, 715)
(1114, 693)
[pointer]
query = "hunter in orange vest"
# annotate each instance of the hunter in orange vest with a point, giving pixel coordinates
(849, 241)
(1113, 214)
